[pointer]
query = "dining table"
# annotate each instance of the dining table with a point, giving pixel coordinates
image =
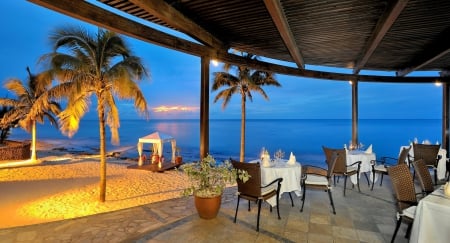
(441, 168)
(431, 220)
(280, 168)
(366, 159)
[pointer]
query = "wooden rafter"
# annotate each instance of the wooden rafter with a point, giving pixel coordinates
(95, 15)
(431, 52)
(382, 27)
(172, 17)
(406, 71)
(279, 18)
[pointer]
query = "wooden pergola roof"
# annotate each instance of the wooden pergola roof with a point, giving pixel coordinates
(376, 35)
(401, 36)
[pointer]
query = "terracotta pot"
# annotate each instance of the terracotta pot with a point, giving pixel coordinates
(178, 160)
(208, 208)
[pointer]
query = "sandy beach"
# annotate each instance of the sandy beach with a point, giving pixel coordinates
(65, 186)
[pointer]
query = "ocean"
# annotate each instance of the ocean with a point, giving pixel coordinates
(303, 137)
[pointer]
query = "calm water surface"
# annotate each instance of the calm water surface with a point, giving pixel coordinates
(303, 137)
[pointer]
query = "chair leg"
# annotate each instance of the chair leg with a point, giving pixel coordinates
(408, 231)
(259, 211)
(249, 205)
(278, 202)
(331, 201)
(303, 198)
(237, 207)
(357, 181)
(292, 201)
(435, 176)
(381, 181)
(373, 178)
(367, 178)
(345, 184)
(399, 222)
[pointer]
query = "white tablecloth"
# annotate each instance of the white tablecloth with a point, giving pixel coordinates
(431, 221)
(291, 175)
(365, 158)
(441, 169)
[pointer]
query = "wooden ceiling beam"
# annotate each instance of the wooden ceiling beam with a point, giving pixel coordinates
(279, 18)
(406, 71)
(174, 18)
(97, 16)
(382, 27)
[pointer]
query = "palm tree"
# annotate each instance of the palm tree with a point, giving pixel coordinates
(32, 105)
(245, 81)
(98, 64)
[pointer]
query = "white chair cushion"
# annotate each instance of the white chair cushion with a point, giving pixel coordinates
(381, 168)
(408, 212)
(316, 180)
(268, 189)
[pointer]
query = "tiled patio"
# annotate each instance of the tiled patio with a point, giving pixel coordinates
(368, 216)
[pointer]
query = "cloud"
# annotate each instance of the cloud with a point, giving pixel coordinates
(175, 109)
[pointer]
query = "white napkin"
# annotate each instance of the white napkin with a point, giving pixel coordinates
(266, 161)
(292, 159)
(368, 150)
(426, 141)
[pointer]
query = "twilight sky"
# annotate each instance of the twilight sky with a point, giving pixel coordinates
(175, 79)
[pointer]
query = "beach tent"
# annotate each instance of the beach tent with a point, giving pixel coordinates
(157, 140)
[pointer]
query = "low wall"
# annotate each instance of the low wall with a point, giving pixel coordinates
(15, 150)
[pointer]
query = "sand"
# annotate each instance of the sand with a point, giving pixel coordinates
(66, 186)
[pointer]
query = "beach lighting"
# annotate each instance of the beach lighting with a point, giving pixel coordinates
(214, 62)
(438, 84)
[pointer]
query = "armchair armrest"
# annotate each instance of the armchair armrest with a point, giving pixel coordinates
(279, 180)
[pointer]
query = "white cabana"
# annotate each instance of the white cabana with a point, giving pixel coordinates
(157, 139)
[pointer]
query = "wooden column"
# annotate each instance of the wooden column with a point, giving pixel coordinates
(355, 112)
(204, 107)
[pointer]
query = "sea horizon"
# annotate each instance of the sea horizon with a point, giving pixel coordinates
(303, 137)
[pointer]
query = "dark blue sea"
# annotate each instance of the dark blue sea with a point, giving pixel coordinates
(303, 137)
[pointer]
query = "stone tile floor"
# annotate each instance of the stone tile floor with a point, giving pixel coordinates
(366, 216)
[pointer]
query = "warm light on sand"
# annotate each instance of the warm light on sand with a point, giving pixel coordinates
(175, 108)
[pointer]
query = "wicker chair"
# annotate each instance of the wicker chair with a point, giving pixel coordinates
(405, 194)
(318, 178)
(381, 166)
(426, 183)
(252, 189)
(341, 168)
(430, 154)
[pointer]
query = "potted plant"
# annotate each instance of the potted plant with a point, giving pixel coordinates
(178, 158)
(207, 180)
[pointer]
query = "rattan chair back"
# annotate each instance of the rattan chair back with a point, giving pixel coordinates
(403, 185)
(426, 183)
(404, 155)
(427, 152)
(340, 164)
(252, 187)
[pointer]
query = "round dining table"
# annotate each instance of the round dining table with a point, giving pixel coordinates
(291, 174)
(366, 166)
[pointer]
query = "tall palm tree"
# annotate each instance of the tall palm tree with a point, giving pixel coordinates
(244, 83)
(97, 64)
(32, 105)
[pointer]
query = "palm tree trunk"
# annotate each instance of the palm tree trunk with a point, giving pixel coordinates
(101, 119)
(242, 155)
(33, 141)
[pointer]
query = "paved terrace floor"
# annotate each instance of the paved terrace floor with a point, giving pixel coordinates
(368, 216)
